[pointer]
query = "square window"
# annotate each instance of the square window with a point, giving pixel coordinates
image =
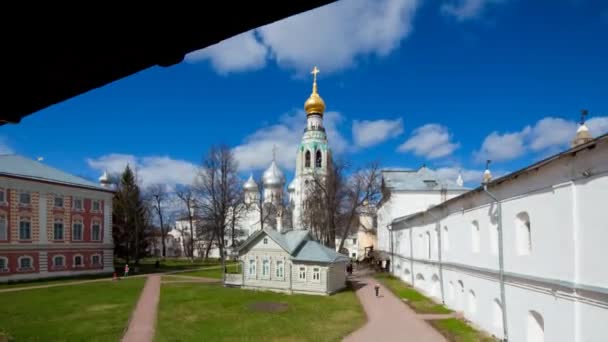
(24, 198)
(96, 206)
(96, 231)
(58, 202)
(25, 230)
(77, 261)
(2, 196)
(58, 230)
(265, 268)
(280, 269)
(77, 231)
(96, 260)
(25, 263)
(3, 265)
(58, 261)
(265, 241)
(302, 273)
(78, 203)
(252, 268)
(3, 228)
(316, 274)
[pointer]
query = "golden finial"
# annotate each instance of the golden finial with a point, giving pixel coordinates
(314, 104)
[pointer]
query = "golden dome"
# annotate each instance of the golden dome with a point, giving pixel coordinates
(314, 104)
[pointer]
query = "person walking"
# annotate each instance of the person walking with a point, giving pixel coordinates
(126, 270)
(377, 288)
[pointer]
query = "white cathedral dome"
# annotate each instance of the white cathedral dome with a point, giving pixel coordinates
(250, 184)
(273, 176)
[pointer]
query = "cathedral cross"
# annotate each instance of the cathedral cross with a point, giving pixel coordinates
(584, 113)
(314, 73)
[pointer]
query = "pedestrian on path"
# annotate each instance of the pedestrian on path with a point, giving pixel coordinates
(126, 270)
(377, 288)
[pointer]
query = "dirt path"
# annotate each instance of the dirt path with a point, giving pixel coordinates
(388, 318)
(143, 319)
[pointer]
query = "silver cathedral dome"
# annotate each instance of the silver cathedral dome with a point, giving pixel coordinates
(273, 176)
(250, 184)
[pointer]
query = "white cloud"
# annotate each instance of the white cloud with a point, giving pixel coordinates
(466, 9)
(548, 135)
(149, 170)
(598, 125)
(239, 53)
(431, 141)
(256, 150)
(369, 133)
(4, 147)
(332, 37)
(500, 147)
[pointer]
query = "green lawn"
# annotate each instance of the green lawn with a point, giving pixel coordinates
(88, 312)
(211, 273)
(207, 312)
(52, 281)
(456, 330)
(415, 299)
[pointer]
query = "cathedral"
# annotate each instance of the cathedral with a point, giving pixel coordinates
(313, 160)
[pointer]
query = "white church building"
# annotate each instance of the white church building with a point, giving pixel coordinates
(523, 256)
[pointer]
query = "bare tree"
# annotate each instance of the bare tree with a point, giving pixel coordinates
(220, 190)
(332, 200)
(157, 195)
(186, 194)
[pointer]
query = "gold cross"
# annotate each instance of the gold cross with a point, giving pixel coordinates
(314, 72)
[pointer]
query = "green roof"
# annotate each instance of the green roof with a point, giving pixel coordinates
(15, 165)
(299, 244)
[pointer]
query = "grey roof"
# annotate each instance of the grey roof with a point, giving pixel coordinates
(15, 165)
(316, 252)
(423, 179)
(299, 244)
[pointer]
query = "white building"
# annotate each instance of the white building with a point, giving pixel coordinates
(524, 260)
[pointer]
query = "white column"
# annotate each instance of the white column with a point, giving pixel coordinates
(42, 218)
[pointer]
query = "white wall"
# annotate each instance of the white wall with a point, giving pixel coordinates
(563, 278)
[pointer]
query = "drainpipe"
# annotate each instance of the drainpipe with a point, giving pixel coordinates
(501, 265)
(412, 255)
(439, 254)
(390, 239)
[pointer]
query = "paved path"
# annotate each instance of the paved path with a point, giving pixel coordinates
(388, 318)
(143, 319)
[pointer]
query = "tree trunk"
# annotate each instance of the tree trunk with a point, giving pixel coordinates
(191, 235)
(162, 234)
(209, 245)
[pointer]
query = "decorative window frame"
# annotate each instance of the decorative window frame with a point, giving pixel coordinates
(252, 275)
(282, 268)
(93, 210)
(58, 267)
(24, 205)
(21, 219)
(55, 197)
(74, 199)
(300, 273)
(100, 260)
(316, 274)
(55, 220)
(77, 219)
(29, 269)
(266, 261)
(74, 261)
(3, 215)
(98, 222)
(6, 268)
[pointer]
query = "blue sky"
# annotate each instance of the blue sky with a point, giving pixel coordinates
(442, 83)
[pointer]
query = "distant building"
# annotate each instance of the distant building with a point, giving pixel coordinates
(52, 223)
(363, 241)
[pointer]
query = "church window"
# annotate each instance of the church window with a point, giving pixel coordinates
(523, 233)
(78, 261)
(58, 261)
(316, 274)
(307, 159)
(475, 240)
(280, 269)
(3, 228)
(265, 268)
(302, 273)
(3, 264)
(25, 263)
(252, 268)
(77, 230)
(25, 229)
(318, 159)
